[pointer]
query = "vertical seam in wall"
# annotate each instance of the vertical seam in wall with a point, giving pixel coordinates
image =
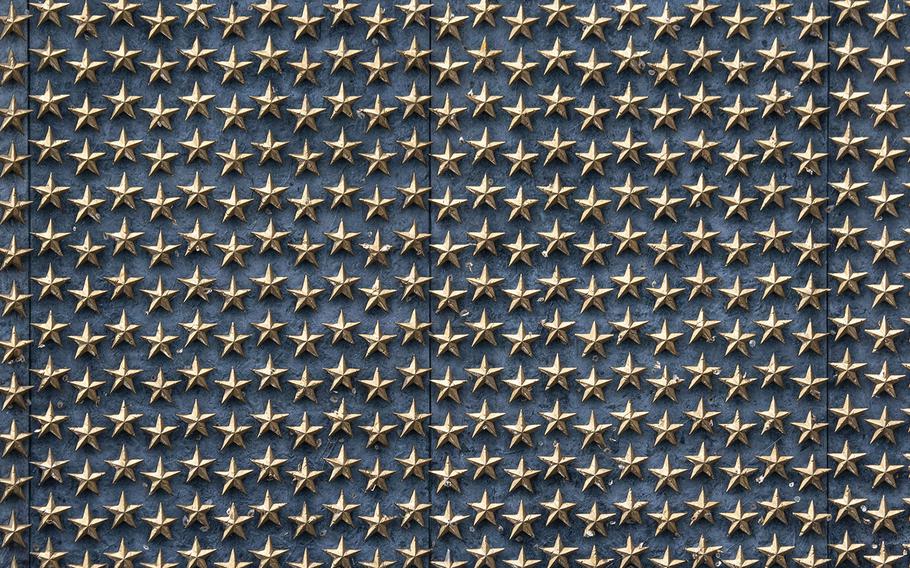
(28, 272)
(827, 42)
(429, 304)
